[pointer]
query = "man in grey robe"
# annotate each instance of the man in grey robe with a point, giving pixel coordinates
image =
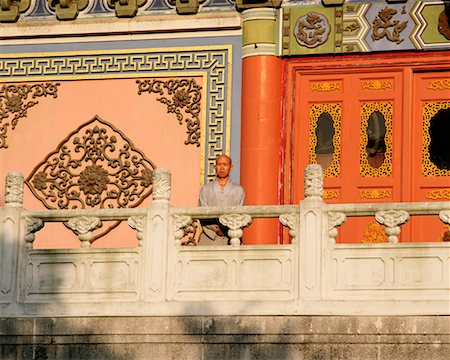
(219, 192)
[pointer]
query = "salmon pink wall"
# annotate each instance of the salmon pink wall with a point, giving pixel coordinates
(141, 118)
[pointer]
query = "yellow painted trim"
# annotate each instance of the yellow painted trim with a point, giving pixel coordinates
(260, 31)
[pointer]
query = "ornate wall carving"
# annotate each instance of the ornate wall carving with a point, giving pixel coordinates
(96, 166)
(184, 94)
(15, 100)
(210, 62)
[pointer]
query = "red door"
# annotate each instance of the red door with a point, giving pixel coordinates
(382, 134)
(431, 146)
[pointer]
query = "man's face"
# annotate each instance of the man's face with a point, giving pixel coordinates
(223, 167)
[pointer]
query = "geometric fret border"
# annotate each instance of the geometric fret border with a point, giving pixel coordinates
(213, 63)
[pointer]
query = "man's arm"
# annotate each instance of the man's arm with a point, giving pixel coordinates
(241, 199)
(202, 198)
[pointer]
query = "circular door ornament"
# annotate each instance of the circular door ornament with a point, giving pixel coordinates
(312, 30)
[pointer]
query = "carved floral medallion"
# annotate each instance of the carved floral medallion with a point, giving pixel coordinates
(96, 166)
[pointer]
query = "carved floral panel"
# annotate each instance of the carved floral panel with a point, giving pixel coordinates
(96, 166)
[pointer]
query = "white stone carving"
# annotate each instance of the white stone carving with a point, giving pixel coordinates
(235, 222)
(161, 184)
(83, 227)
(180, 222)
(31, 226)
(138, 223)
(392, 219)
(14, 190)
(291, 221)
(444, 215)
(335, 219)
(313, 180)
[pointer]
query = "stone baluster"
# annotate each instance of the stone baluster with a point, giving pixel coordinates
(180, 222)
(138, 223)
(83, 227)
(335, 219)
(392, 219)
(32, 225)
(444, 215)
(235, 223)
(291, 221)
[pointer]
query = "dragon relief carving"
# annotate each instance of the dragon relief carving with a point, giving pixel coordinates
(312, 30)
(384, 26)
(184, 94)
(444, 22)
(15, 100)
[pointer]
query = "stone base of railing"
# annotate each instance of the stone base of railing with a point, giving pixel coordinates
(227, 337)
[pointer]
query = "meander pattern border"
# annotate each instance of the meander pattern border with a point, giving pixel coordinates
(213, 63)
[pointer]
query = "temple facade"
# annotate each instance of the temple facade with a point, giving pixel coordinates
(336, 115)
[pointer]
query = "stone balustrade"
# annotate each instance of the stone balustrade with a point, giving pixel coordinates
(312, 274)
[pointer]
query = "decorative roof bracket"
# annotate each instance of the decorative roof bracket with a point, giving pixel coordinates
(10, 9)
(126, 8)
(67, 9)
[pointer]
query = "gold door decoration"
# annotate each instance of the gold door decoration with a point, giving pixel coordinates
(375, 194)
(430, 109)
(374, 233)
(335, 111)
(326, 86)
(439, 194)
(367, 109)
(439, 85)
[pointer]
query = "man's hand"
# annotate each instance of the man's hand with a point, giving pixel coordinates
(219, 232)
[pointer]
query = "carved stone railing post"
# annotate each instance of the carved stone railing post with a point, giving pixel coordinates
(32, 225)
(156, 238)
(14, 190)
(138, 223)
(291, 221)
(235, 222)
(178, 223)
(83, 227)
(392, 219)
(10, 238)
(444, 215)
(312, 219)
(335, 219)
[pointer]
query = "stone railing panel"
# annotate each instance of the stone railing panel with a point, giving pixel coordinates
(229, 273)
(83, 275)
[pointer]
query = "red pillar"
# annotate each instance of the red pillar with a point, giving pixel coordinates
(260, 141)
